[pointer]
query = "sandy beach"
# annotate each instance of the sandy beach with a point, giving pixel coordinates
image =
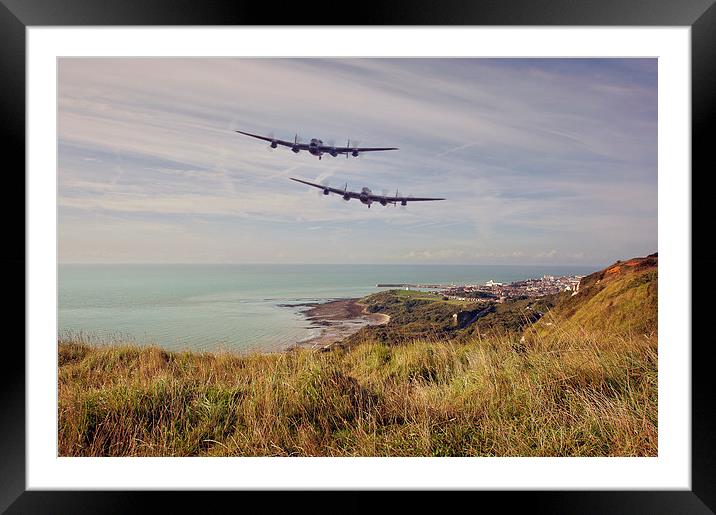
(337, 320)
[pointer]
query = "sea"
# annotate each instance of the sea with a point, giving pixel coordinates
(235, 307)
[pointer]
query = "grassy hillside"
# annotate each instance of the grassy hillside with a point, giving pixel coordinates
(584, 386)
(621, 299)
(417, 314)
(413, 315)
(595, 396)
(508, 318)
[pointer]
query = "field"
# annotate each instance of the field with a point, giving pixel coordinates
(429, 296)
(581, 395)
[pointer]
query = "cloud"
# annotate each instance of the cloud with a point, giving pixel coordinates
(557, 154)
(547, 254)
(436, 254)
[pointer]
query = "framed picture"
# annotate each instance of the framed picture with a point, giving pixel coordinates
(60, 58)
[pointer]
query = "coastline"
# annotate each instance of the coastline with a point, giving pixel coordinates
(337, 319)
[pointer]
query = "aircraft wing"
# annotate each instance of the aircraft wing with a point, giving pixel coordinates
(371, 149)
(348, 150)
(302, 146)
(390, 199)
(352, 194)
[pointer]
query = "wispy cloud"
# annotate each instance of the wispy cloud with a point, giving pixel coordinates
(541, 155)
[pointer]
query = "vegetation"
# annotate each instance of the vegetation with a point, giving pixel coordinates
(567, 389)
(416, 315)
(511, 317)
(621, 299)
(413, 315)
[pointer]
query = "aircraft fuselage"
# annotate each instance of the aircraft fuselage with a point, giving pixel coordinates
(365, 196)
(314, 148)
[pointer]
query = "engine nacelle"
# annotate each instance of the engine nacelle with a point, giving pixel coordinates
(274, 144)
(333, 152)
(354, 153)
(326, 192)
(403, 202)
(346, 197)
(295, 150)
(383, 202)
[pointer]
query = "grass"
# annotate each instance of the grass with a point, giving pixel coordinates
(581, 381)
(576, 393)
(621, 303)
(431, 297)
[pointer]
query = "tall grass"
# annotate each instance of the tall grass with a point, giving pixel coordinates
(576, 393)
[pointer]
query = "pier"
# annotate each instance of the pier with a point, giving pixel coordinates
(406, 285)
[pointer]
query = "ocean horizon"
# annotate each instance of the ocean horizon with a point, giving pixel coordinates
(236, 307)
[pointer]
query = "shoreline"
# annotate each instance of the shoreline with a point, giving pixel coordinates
(336, 319)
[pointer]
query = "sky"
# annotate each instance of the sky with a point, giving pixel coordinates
(543, 161)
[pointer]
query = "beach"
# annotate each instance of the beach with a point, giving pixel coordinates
(337, 319)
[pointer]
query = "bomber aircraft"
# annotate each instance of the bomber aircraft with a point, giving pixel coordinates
(316, 147)
(366, 196)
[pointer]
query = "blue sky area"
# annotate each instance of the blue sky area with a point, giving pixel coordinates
(544, 161)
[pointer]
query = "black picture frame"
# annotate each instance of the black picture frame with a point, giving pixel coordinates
(16, 15)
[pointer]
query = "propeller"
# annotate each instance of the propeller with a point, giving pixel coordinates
(407, 199)
(384, 193)
(356, 143)
(332, 144)
(325, 184)
(348, 145)
(295, 142)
